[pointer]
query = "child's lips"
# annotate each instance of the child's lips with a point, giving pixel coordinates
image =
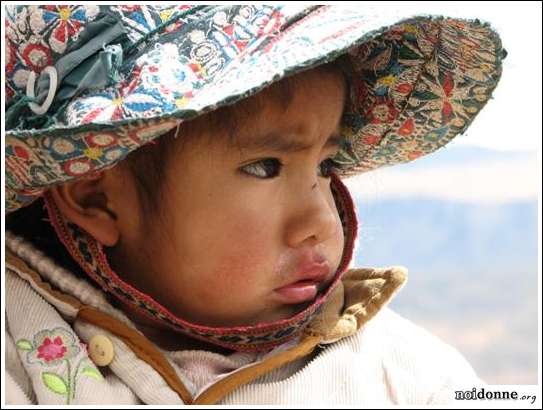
(298, 292)
(305, 285)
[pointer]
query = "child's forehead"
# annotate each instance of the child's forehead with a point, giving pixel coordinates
(287, 141)
(281, 121)
(282, 96)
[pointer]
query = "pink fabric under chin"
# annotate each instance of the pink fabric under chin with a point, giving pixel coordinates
(89, 254)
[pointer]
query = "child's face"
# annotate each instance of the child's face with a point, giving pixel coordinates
(230, 238)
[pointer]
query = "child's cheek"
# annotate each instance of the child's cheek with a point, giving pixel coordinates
(246, 254)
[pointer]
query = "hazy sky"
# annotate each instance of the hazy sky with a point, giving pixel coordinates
(489, 182)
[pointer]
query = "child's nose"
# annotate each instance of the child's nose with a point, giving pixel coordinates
(314, 218)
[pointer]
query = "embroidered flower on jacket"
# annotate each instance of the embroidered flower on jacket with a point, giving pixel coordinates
(51, 350)
(51, 347)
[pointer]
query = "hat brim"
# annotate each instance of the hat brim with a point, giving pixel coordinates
(415, 84)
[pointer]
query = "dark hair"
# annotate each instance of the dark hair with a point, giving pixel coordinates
(32, 223)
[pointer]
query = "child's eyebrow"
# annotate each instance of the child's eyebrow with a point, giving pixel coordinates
(277, 142)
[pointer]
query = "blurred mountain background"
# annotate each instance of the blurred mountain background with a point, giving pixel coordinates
(464, 222)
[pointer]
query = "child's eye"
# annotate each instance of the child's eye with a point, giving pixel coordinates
(269, 168)
(265, 168)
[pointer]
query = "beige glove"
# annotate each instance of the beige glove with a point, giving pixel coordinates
(355, 300)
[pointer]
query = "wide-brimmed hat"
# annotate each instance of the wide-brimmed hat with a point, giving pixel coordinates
(85, 85)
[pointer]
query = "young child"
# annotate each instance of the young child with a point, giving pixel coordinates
(212, 265)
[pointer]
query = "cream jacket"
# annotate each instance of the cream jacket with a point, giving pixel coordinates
(356, 352)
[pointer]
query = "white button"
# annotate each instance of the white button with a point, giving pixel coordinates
(101, 350)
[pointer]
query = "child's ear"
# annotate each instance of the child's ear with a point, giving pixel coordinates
(85, 203)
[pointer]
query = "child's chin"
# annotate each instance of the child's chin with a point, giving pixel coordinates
(282, 312)
(286, 312)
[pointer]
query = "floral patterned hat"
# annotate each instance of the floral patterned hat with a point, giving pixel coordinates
(86, 85)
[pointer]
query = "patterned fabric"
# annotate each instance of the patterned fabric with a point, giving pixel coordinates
(89, 254)
(415, 83)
